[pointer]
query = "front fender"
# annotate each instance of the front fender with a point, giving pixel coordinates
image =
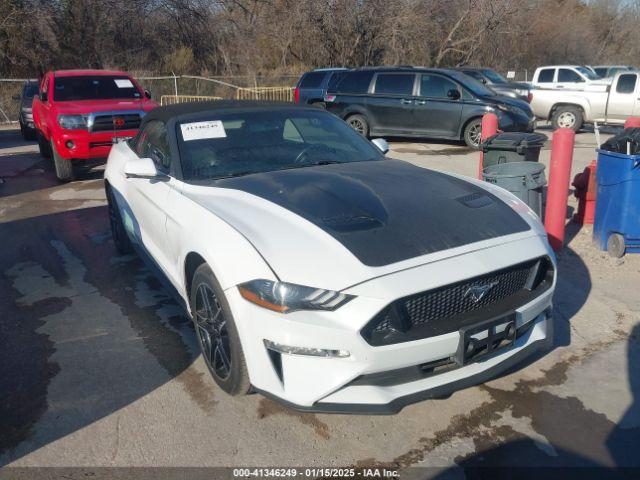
(231, 256)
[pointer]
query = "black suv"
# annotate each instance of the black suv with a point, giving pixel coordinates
(421, 102)
(498, 83)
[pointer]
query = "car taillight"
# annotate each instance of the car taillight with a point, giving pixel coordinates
(530, 97)
(329, 98)
(296, 95)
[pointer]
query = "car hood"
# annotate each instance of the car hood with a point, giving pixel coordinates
(337, 225)
(90, 106)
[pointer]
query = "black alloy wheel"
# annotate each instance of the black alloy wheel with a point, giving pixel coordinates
(211, 325)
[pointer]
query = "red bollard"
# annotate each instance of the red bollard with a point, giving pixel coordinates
(489, 128)
(632, 122)
(558, 189)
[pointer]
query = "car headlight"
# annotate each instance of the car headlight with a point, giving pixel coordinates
(73, 122)
(512, 109)
(287, 297)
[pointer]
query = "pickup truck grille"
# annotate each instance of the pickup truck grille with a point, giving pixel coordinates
(447, 309)
(103, 123)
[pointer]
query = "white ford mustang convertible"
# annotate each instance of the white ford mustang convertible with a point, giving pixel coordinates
(320, 273)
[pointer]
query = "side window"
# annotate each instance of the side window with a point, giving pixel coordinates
(546, 75)
(291, 133)
(351, 82)
(153, 143)
(436, 86)
(601, 72)
(626, 83)
(475, 75)
(394, 83)
(312, 80)
(566, 75)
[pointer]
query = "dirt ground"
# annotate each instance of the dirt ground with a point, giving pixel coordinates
(99, 366)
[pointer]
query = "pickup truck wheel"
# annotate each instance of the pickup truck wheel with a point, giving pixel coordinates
(217, 334)
(567, 117)
(43, 145)
(473, 133)
(64, 168)
(359, 124)
(118, 232)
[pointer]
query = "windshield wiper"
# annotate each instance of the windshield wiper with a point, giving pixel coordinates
(235, 174)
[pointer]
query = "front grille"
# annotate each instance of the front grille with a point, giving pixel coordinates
(103, 123)
(448, 308)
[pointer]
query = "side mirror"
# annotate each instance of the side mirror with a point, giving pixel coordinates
(453, 94)
(147, 94)
(142, 168)
(15, 97)
(381, 143)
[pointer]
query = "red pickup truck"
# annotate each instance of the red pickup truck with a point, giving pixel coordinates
(79, 114)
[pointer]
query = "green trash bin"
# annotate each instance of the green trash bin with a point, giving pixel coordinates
(524, 179)
(512, 147)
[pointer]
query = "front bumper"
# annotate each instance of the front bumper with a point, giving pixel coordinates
(87, 145)
(538, 338)
(517, 123)
(334, 384)
(26, 119)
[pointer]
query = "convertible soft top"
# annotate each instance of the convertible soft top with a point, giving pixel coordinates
(169, 112)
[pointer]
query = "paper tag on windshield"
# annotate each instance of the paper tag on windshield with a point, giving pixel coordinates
(203, 130)
(123, 83)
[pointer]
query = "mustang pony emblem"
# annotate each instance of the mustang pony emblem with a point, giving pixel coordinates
(477, 292)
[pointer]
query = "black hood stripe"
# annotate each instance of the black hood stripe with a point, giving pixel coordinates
(386, 211)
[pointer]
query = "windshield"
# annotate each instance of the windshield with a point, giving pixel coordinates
(98, 87)
(588, 73)
(473, 85)
(235, 144)
(495, 77)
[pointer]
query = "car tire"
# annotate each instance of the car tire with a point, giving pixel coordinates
(217, 333)
(27, 133)
(567, 117)
(472, 134)
(118, 232)
(359, 123)
(43, 146)
(64, 168)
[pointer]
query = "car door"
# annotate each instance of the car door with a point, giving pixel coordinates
(390, 107)
(149, 199)
(624, 97)
(437, 112)
(569, 79)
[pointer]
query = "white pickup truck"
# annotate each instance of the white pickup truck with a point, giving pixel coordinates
(576, 77)
(606, 104)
